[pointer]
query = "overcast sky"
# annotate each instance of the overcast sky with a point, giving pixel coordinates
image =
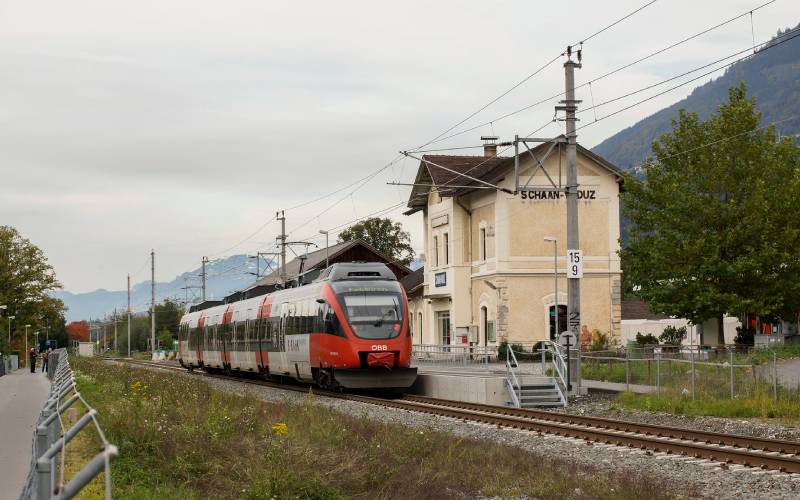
(184, 125)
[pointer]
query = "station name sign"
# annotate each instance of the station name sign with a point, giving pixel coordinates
(583, 194)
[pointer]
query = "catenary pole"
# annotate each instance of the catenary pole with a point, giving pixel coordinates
(152, 301)
(129, 315)
(203, 277)
(573, 240)
(282, 237)
(116, 347)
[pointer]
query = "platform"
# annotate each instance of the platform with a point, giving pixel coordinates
(472, 383)
(22, 397)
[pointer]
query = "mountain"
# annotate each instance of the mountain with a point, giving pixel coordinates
(772, 77)
(225, 275)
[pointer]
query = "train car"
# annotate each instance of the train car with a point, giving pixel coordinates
(348, 329)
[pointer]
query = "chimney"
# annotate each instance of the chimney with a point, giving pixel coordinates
(489, 145)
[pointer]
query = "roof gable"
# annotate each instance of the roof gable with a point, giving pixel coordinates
(489, 169)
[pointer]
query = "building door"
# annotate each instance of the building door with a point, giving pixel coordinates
(562, 320)
(443, 325)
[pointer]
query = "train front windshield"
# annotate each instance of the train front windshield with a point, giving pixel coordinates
(373, 312)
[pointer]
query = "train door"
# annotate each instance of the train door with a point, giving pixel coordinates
(279, 339)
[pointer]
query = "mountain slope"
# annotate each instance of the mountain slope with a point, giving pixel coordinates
(224, 276)
(772, 76)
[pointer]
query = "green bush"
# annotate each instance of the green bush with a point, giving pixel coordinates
(648, 339)
(672, 335)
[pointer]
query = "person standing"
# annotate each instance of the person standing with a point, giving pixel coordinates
(45, 357)
(33, 360)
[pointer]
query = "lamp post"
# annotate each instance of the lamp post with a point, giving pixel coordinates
(555, 276)
(9, 330)
(26, 344)
(327, 261)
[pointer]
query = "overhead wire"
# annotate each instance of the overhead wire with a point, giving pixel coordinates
(529, 76)
(766, 46)
(603, 76)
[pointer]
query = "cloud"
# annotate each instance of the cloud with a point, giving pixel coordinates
(184, 125)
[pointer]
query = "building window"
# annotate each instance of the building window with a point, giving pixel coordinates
(436, 251)
(443, 323)
(446, 249)
(419, 326)
(483, 243)
(487, 326)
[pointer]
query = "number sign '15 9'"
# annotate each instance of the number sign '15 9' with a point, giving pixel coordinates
(574, 264)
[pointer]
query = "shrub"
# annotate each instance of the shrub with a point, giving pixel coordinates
(648, 339)
(672, 335)
(599, 341)
(502, 349)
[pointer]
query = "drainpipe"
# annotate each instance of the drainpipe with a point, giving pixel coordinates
(469, 256)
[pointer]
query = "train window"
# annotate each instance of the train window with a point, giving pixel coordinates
(374, 315)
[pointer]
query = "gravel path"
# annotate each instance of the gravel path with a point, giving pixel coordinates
(691, 477)
(606, 407)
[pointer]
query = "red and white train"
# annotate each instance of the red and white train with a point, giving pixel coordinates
(348, 329)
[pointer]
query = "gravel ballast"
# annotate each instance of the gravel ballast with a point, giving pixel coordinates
(599, 405)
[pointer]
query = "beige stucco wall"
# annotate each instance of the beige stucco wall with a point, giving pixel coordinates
(515, 281)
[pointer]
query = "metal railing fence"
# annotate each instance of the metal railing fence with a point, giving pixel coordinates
(46, 477)
(454, 355)
(693, 370)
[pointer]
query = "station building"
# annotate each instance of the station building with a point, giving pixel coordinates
(489, 271)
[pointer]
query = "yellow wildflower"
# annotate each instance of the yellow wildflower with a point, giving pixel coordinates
(280, 428)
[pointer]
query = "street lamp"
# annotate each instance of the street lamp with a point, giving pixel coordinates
(26, 343)
(327, 262)
(555, 275)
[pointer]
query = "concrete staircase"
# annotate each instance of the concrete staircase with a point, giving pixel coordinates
(540, 393)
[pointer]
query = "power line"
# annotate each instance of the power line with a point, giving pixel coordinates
(777, 40)
(648, 4)
(767, 45)
(529, 76)
(601, 77)
(724, 139)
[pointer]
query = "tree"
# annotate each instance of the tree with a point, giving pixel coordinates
(26, 279)
(168, 316)
(165, 340)
(385, 235)
(714, 228)
(78, 330)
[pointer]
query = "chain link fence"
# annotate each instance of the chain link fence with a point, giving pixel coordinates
(697, 372)
(46, 479)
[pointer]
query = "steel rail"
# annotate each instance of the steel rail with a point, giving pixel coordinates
(772, 454)
(737, 440)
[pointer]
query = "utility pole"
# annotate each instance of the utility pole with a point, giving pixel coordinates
(282, 237)
(570, 105)
(152, 301)
(203, 277)
(116, 347)
(129, 315)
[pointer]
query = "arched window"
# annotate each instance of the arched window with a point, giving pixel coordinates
(419, 326)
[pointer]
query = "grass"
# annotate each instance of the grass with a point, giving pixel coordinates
(759, 405)
(179, 438)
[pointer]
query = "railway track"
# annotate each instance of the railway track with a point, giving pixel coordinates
(727, 449)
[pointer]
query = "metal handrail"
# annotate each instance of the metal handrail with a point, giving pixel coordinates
(51, 438)
(511, 373)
